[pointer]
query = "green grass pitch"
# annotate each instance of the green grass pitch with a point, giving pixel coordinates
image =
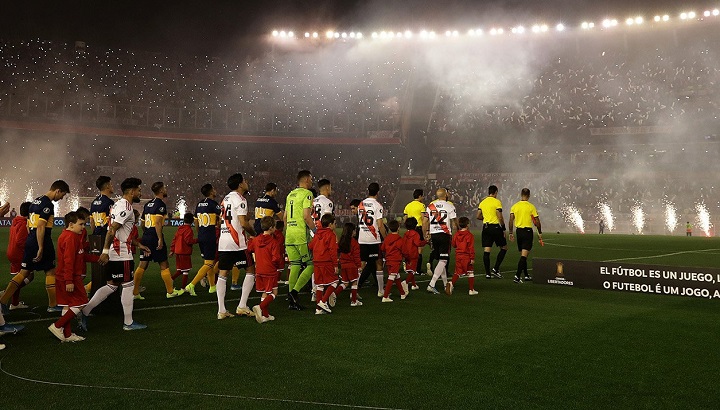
(512, 346)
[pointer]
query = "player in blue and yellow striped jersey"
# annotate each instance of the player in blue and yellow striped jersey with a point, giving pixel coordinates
(207, 220)
(100, 207)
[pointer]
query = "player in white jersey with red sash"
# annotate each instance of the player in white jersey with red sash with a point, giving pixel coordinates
(371, 224)
(439, 221)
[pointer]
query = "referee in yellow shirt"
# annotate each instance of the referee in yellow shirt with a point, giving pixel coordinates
(524, 215)
(416, 209)
(490, 212)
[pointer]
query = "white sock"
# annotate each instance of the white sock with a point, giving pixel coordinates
(126, 298)
(99, 296)
(439, 270)
(248, 284)
(75, 310)
(221, 288)
(380, 279)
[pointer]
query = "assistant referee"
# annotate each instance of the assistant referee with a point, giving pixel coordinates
(416, 209)
(524, 215)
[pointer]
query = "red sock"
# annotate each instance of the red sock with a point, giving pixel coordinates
(177, 273)
(265, 302)
(339, 289)
(388, 287)
(398, 282)
(353, 295)
(65, 321)
(455, 278)
(185, 279)
(471, 282)
(329, 291)
(411, 278)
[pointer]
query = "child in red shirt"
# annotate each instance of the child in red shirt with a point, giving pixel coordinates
(464, 244)
(324, 249)
(68, 277)
(350, 264)
(411, 243)
(15, 251)
(392, 249)
(264, 249)
(84, 213)
(181, 247)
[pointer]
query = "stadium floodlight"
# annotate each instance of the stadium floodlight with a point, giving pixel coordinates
(544, 28)
(329, 34)
(639, 20)
(383, 34)
(408, 34)
(391, 34)
(291, 34)
(471, 33)
(352, 34)
(315, 34)
(336, 35)
(683, 16)
(691, 15)
(399, 35)
(343, 35)
(613, 22)
(716, 12)
(359, 35)
(500, 31)
(307, 35)
(585, 25)
(630, 21)
(423, 34)
(535, 29)
(706, 13)
(448, 33)
(493, 31)
(432, 34)
(666, 18)
(275, 33)
(560, 27)
(479, 32)
(517, 30)
(283, 34)
(657, 18)
(374, 35)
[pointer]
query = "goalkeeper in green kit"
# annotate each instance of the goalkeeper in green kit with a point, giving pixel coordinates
(298, 226)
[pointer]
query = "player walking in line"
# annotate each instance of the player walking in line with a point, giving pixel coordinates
(371, 216)
(321, 205)
(416, 209)
(464, 244)
(439, 222)
(118, 256)
(207, 214)
(490, 212)
(181, 247)
(100, 211)
(298, 223)
(153, 216)
(233, 243)
(39, 252)
(523, 215)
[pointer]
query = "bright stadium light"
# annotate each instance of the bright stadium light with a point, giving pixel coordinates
(493, 31)
(336, 35)
(329, 34)
(683, 16)
(307, 35)
(352, 34)
(359, 35)
(471, 33)
(423, 34)
(374, 35)
(478, 32)
(291, 34)
(383, 34)
(544, 28)
(666, 18)
(585, 25)
(657, 18)
(448, 33)
(432, 34)
(639, 20)
(706, 13)
(408, 34)
(716, 12)
(399, 35)
(500, 31)
(344, 35)
(691, 15)
(391, 34)
(315, 34)
(535, 29)
(560, 27)
(275, 33)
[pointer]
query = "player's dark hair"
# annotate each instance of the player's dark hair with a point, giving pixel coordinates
(323, 182)
(206, 190)
(492, 189)
(326, 220)
(266, 223)
(418, 193)
(303, 174)
(101, 181)
(313, 191)
(130, 183)
(346, 237)
(464, 222)
(234, 181)
(25, 209)
(83, 212)
(61, 185)
(279, 225)
(411, 223)
(71, 218)
(525, 192)
(188, 218)
(393, 225)
(270, 186)
(355, 202)
(157, 187)
(373, 189)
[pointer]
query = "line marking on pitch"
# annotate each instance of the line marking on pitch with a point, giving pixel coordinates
(217, 395)
(661, 255)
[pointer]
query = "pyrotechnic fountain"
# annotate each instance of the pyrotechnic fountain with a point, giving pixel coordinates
(607, 215)
(572, 217)
(702, 220)
(638, 218)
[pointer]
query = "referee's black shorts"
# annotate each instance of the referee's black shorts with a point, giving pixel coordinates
(440, 246)
(419, 230)
(493, 234)
(524, 238)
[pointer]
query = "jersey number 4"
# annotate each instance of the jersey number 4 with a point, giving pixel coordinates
(227, 213)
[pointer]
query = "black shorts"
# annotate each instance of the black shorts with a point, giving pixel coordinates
(493, 234)
(419, 230)
(230, 259)
(208, 250)
(46, 263)
(119, 271)
(370, 252)
(524, 238)
(155, 255)
(440, 246)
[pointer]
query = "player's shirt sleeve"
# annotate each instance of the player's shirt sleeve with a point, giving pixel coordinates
(241, 207)
(275, 206)
(121, 216)
(307, 202)
(533, 211)
(513, 209)
(452, 213)
(46, 211)
(380, 214)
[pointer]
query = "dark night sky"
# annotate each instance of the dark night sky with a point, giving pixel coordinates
(207, 27)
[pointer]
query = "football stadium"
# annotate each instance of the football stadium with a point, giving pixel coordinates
(290, 206)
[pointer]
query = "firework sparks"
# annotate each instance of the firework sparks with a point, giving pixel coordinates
(702, 220)
(607, 215)
(29, 196)
(671, 218)
(73, 202)
(638, 218)
(4, 192)
(181, 206)
(572, 217)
